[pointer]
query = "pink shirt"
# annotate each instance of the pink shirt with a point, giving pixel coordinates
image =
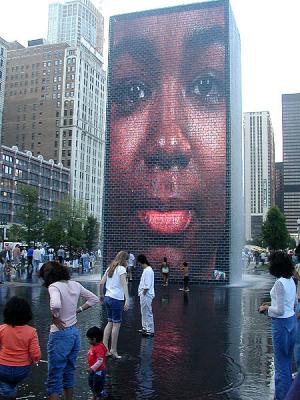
(64, 296)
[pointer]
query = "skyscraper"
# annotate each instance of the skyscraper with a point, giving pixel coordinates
(54, 106)
(3, 56)
(291, 158)
(73, 20)
(279, 186)
(259, 170)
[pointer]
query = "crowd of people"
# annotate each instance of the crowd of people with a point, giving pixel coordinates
(15, 260)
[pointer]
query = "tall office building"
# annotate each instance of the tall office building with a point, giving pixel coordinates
(54, 106)
(3, 56)
(291, 158)
(259, 170)
(279, 186)
(73, 20)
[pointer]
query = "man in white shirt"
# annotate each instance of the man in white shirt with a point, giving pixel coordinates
(37, 258)
(146, 294)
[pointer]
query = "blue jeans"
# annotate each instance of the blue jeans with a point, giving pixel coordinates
(297, 343)
(283, 336)
(96, 382)
(36, 264)
(114, 309)
(63, 348)
(10, 377)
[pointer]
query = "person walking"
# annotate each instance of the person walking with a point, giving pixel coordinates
(165, 269)
(64, 338)
(146, 293)
(36, 259)
(19, 346)
(29, 262)
(5, 257)
(17, 254)
(184, 269)
(51, 254)
(281, 310)
(116, 289)
(85, 258)
(61, 255)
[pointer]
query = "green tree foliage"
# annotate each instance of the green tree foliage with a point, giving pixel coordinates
(16, 233)
(71, 214)
(29, 214)
(274, 231)
(91, 230)
(257, 241)
(291, 243)
(54, 234)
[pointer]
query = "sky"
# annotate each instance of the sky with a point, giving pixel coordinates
(269, 29)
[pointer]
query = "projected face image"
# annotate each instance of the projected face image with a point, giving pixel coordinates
(167, 153)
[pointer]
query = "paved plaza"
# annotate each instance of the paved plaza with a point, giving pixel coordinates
(210, 343)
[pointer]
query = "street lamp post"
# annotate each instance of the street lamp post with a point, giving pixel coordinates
(298, 231)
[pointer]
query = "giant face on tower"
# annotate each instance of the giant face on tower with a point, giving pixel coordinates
(166, 158)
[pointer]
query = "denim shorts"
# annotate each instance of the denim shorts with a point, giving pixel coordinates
(10, 377)
(114, 309)
(63, 348)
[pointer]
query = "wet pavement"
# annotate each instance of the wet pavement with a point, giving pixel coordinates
(210, 343)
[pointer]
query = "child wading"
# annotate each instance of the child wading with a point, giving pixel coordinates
(96, 362)
(19, 346)
(184, 269)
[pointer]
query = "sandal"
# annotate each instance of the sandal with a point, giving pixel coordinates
(116, 356)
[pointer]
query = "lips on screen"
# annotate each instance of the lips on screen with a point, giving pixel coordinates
(166, 158)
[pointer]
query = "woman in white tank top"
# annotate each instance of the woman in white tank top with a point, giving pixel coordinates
(281, 310)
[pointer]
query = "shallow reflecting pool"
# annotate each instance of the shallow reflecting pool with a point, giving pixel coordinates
(210, 343)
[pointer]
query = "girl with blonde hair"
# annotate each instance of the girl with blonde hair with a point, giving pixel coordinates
(116, 290)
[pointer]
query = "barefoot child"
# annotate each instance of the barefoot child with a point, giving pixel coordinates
(184, 269)
(96, 362)
(19, 346)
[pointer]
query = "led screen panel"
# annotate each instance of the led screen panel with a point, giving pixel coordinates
(167, 181)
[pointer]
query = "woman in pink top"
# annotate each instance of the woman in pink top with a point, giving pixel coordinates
(19, 346)
(64, 338)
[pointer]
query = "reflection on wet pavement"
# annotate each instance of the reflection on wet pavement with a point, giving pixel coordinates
(209, 344)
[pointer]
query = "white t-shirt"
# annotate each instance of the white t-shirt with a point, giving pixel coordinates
(37, 254)
(147, 282)
(283, 298)
(114, 287)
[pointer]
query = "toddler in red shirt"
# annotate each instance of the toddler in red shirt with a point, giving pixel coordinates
(96, 362)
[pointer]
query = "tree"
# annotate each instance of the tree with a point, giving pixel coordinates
(291, 243)
(29, 214)
(54, 234)
(72, 216)
(16, 233)
(274, 231)
(91, 230)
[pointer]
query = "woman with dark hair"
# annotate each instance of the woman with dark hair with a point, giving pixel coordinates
(146, 294)
(281, 310)
(64, 339)
(116, 289)
(19, 346)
